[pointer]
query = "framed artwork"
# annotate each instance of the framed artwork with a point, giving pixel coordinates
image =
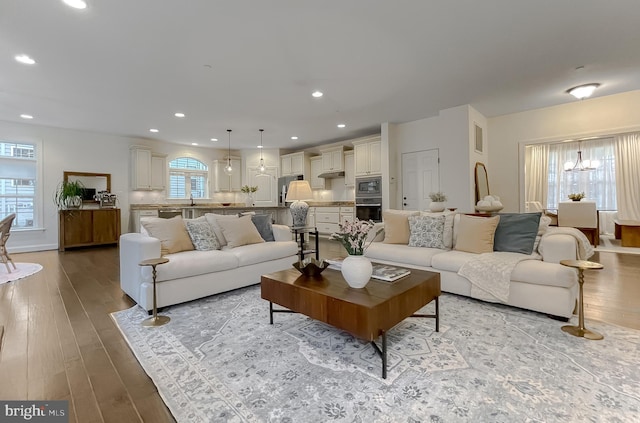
(479, 146)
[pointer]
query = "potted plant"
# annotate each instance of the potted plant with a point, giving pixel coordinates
(249, 190)
(356, 269)
(68, 195)
(438, 200)
(577, 196)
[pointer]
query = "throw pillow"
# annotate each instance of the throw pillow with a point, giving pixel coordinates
(240, 231)
(396, 226)
(202, 235)
(214, 220)
(476, 234)
(545, 221)
(516, 232)
(447, 236)
(263, 225)
(426, 231)
(172, 234)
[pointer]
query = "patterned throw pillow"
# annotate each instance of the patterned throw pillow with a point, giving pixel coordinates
(202, 235)
(426, 231)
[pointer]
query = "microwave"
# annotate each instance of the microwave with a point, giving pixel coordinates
(369, 187)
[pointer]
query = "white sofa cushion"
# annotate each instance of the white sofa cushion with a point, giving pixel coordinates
(258, 253)
(451, 260)
(540, 273)
(192, 263)
(402, 254)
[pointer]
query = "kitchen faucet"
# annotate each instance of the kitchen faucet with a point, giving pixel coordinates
(192, 202)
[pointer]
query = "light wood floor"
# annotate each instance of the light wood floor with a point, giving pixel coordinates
(60, 342)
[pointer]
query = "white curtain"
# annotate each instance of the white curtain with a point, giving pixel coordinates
(598, 185)
(627, 153)
(536, 176)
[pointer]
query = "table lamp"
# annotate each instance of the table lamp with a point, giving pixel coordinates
(298, 192)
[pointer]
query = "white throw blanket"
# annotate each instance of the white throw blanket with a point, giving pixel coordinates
(583, 246)
(490, 274)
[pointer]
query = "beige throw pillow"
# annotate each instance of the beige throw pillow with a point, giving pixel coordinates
(172, 234)
(476, 234)
(240, 231)
(396, 226)
(215, 222)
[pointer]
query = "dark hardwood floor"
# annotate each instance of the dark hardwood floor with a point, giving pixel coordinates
(60, 341)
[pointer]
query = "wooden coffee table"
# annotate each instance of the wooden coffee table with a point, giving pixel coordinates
(367, 313)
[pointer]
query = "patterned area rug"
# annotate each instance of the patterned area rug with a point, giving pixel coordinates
(220, 360)
(23, 270)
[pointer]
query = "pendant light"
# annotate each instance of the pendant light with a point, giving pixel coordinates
(581, 165)
(261, 166)
(228, 169)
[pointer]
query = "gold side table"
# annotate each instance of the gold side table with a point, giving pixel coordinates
(580, 330)
(155, 320)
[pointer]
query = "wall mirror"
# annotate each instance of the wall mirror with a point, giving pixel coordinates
(93, 182)
(482, 182)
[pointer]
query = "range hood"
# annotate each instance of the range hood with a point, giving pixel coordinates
(329, 175)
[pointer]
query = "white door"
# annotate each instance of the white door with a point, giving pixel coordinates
(267, 183)
(420, 177)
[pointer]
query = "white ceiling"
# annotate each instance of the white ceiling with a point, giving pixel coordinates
(123, 66)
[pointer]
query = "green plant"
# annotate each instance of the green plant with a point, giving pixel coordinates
(248, 189)
(68, 194)
(438, 197)
(353, 235)
(576, 196)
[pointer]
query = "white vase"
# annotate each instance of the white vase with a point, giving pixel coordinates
(437, 206)
(249, 200)
(356, 270)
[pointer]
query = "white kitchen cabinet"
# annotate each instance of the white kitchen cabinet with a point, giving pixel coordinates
(311, 217)
(267, 183)
(224, 182)
(349, 169)
(333, 160)
(295, 164)
(136, 215)
(327, 219)
(346, 214)
(316, 169)
(368, 158)
(158, 171)
(140, 168)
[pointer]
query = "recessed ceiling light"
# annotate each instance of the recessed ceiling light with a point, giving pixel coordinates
(294, 138)
(259, 146)
(25, 116)
(153, 130)
(214, 139)
(25, 59)
(583, 91)
(317, 94)
(76, 4)
(341, 125)
(179, 114)
(194, 143)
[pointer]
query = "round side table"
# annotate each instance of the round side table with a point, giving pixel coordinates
(580, 330)
(155, 320)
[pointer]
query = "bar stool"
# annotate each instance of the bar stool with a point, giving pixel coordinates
(580, 330)
(155, 320)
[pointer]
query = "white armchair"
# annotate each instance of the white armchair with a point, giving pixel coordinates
(581, 215)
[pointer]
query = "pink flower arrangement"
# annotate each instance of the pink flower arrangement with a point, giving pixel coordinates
(352, 235)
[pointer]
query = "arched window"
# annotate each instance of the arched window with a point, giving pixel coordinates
(188, 177)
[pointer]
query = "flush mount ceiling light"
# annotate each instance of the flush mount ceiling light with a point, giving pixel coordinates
(228, 169)
(76, 4)
(179, 114)
(24, 59)
(583, 91)
(26, 116)
(261, 167)
(581, 165)
(317, 94)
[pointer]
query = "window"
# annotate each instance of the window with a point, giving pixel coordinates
(188, 177)
(18, 182)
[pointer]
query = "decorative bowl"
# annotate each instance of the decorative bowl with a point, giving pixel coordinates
(226, 204)
(310, 266)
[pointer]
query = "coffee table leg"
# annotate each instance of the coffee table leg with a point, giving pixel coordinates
(384, 355)
(437, 314)
(270, 312)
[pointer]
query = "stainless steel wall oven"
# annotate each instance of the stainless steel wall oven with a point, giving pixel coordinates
(369, 198)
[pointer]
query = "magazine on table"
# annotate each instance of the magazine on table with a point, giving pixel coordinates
(383, 272)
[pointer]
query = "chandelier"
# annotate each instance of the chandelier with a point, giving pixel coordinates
(581, 165)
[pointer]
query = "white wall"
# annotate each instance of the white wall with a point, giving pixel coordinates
(597, 116)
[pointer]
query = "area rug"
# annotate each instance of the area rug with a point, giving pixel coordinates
(23, 270)
(219, 359)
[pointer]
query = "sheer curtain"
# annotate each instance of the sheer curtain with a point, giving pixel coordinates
(598, 185)
(536, 175)
(627, 152)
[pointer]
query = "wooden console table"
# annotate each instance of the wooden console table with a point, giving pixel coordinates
(628, 232)
(87, 227)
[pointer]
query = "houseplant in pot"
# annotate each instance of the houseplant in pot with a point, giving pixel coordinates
(577, 196)
(356, 269)
(249, 190)
(68, 195)
(438, 200)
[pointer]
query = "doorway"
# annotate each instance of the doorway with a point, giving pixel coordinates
(420, 177)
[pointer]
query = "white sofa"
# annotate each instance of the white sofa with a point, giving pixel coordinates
(190, 275)
(540, 285)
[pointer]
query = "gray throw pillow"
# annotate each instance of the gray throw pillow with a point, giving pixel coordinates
(202, 235)
(426, 231)
(516, 232)
(262, 223)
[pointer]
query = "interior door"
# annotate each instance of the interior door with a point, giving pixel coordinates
(420, 177)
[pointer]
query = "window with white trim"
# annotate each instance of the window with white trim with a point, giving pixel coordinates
(18, 183)
(188, 177)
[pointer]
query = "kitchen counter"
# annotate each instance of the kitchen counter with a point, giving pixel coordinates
(235, 205)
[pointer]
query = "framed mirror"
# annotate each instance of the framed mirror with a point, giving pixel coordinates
(93, 183)
(482, 181)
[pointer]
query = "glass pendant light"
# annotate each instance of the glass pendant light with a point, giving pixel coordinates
(261, 167)
(228, 169)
